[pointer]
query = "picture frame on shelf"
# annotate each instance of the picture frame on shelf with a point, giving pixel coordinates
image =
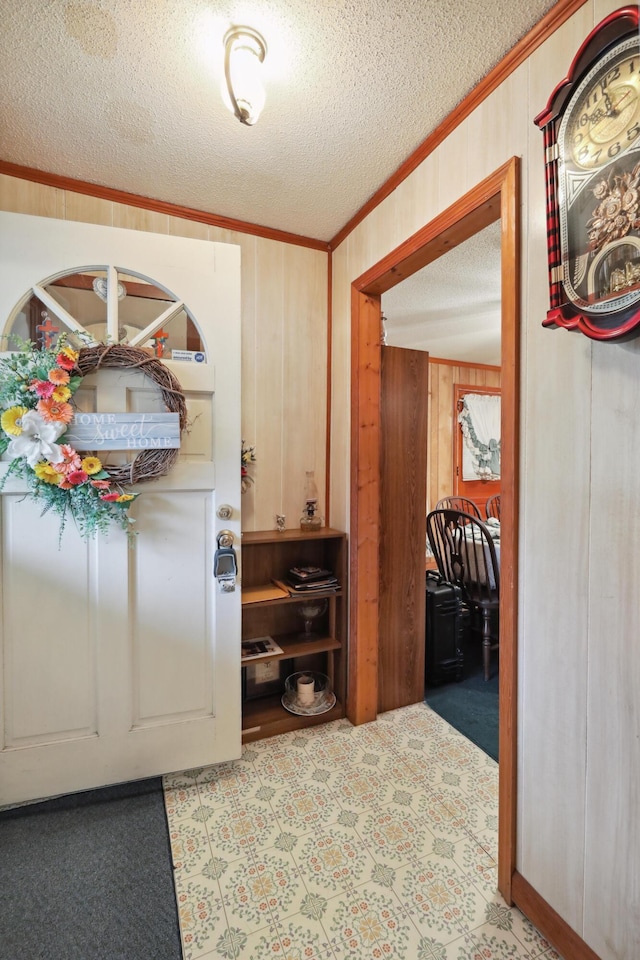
(258, 648)
(263, 678)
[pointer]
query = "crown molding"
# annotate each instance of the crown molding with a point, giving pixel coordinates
(158, 206)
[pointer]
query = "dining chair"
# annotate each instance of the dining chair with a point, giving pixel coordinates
(492, 507)
(466, 555)
(458, 503)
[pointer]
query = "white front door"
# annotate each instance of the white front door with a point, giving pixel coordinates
(121, 662)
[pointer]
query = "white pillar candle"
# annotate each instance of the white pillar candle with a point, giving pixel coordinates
(306, 691)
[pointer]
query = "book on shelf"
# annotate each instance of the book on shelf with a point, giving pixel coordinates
(308, 574)
(297, 590)
(310, 579)
(316, 586)
(259, 647)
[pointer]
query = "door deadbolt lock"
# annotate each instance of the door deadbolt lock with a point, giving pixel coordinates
(224, 511)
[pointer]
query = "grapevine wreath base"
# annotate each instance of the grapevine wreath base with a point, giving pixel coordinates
(149, 464)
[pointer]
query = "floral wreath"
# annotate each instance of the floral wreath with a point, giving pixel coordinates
(36, 400)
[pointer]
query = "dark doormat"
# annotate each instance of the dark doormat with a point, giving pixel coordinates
(89, 877)
(470, 706)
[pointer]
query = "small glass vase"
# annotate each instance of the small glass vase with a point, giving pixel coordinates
(310, 611)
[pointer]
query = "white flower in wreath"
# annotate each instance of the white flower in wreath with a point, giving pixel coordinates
(38, 439)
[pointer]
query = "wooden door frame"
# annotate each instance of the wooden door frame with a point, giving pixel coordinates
(496, 198)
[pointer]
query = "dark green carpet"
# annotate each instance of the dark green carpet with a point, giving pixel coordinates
(470, 706)
(89, 877)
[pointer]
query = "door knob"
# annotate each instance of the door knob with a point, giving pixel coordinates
(225, 538)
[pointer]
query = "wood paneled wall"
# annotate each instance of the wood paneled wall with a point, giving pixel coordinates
(579, 660)
(284, 342)
(443, 376)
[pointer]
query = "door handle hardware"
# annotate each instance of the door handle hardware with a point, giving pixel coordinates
(225, 564)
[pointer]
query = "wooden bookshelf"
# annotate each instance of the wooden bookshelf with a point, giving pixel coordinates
(269, 609)
(267, 717)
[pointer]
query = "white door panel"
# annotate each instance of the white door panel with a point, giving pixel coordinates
(50, 669)
(123, 662)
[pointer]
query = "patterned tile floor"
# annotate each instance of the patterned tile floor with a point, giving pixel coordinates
(345, 843)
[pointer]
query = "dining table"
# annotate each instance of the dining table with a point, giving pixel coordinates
(478, 575)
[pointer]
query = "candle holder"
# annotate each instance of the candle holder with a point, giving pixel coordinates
(308, 693)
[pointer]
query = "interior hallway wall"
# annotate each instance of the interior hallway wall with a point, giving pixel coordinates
(579, 661)
(284, 342)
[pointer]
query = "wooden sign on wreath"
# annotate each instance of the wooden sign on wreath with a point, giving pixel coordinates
(149, 464)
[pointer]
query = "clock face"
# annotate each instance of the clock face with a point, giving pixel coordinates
(599, 185)
(604, 119)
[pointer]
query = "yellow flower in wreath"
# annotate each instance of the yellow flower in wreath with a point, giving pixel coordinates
(45, 471)
(61, 394)
(125, 497)
(11, 420)
(91, 465)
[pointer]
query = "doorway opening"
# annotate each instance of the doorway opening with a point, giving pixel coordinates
(449, 314)
(496, 198)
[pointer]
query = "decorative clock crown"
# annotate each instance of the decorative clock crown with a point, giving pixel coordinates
(591, 127)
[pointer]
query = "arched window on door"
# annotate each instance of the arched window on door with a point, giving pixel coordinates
(140, 312)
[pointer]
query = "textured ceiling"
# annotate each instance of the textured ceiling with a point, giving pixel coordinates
(125, 93)
(451, 307)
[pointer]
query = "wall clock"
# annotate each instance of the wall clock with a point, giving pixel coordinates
(591, 127)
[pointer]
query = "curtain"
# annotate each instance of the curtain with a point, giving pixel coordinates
(480, 422)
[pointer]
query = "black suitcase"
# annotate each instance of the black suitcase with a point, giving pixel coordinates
(444, 660)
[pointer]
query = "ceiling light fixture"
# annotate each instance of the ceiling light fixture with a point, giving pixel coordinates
(100, 288)
(244, 53)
